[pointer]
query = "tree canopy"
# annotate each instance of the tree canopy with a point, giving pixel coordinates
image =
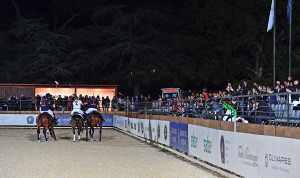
(143, 46)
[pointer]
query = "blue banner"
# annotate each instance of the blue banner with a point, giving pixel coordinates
(64, 120)
(173, 134)
(108, 120)
(183, 138)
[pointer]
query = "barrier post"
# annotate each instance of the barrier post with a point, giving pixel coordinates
(20, 106)
(234, 127)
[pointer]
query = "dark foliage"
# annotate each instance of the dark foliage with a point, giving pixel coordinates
(143, 45)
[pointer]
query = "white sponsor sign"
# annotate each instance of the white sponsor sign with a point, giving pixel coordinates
(120, 122)
(248, 155)
(18, 119)
(162, 132)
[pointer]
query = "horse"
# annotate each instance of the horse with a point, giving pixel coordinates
(93, 119)
(77, 121)
(44, 120)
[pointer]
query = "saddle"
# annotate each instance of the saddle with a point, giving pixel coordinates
(78, 114)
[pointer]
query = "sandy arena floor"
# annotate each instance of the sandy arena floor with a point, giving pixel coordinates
(118, 155)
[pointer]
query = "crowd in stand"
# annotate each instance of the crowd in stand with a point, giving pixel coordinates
(243, 100)
(15, 103)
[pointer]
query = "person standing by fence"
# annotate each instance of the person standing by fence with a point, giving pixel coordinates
(107, 101)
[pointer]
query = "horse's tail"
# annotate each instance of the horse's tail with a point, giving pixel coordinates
(38, 118)
(46, 121)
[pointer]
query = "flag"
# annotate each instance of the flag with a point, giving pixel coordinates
(289, 10)
(271, 17)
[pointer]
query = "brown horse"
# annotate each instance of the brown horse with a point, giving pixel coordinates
(77, 121)
(94, 118)
(44, 120)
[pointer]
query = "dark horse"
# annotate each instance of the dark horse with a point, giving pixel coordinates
(44, 120)
(77, 121)
(94, 118)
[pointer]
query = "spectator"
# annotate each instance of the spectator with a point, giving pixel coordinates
(262, 110)
(103, 104)
(114, 104)
(107, 101)
(59, 103)
(38, 102)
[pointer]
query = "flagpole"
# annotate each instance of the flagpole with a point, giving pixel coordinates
(274, 45)
(290, 45)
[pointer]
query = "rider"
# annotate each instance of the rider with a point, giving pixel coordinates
(93, 105)
(46, 107)
(77, 107)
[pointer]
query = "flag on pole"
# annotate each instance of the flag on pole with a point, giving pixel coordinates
(271, 17)
(289, 10)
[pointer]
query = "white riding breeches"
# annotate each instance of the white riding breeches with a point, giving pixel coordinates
(77, 110)
(91, 110)
(49, 112)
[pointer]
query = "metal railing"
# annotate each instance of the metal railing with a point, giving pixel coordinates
(35, 105)
(275, 108)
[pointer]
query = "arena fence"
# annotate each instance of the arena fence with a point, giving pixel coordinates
(250, 150)
(248, 155)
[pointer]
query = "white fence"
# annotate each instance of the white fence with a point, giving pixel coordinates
(248, 155)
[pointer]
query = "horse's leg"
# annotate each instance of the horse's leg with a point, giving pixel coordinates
(92, 132)
(79, 128)
(74, 134)
(38, 134)
(100, 129)
(86, 128)
(44, 131)
(53, 133)
(100, 132)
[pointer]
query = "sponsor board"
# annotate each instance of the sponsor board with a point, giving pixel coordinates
(30, 119)
(203, 143)
(149, 127)
(183, 140)
(63, 119)
(108, 120)
(18, 119)
(121, 122)
(162, 130)
(173, 135)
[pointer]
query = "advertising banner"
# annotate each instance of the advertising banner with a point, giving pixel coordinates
(149, 129)
(120, 122)
(18, 119)
(182, 143)
(108, 120)
(133, 125)
(203, 143)
(248, 155)
(63, 119)
(29, 119)
(162, 132)
(173, 134)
